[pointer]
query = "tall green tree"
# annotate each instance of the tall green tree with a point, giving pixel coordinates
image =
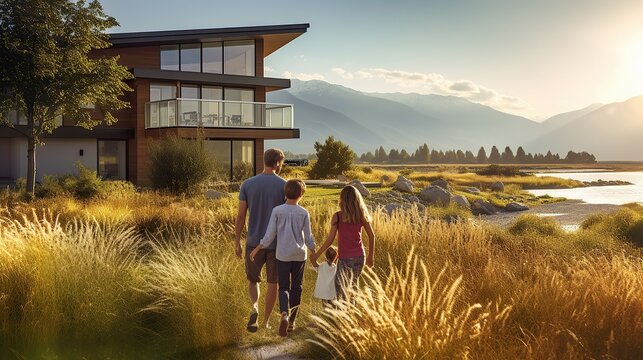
(333, 158)
(507, 156)
(494, 155)
(521, 157)
(482, 156)
(46, 70)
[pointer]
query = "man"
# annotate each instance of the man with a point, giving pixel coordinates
(259, 195)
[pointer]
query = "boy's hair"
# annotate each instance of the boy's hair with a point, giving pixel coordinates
(272, 157)
(354, 210)
(331, 254)
(294, 189)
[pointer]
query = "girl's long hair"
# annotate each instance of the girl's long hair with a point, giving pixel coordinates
(352, 205)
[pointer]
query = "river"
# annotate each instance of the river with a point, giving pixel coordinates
(617, 195)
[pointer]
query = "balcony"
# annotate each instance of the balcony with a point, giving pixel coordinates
(217, 113)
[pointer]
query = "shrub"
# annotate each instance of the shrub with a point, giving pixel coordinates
(497, 170)
(181, 166)
(334, 157)
(535, 225)
(85, 185)
(625, 224)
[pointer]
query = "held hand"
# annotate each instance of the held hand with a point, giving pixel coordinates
(238, 251)
(313, 261)
(369, 261)
(253, 254)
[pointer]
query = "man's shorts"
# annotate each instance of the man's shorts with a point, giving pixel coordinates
(264, 257)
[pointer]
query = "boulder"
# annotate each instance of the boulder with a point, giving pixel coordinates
(390, 208)
(403, 184)
(414, 199)
(435, 195)
(482, 207)
(421, 208)
(461, 201)
(498, 186)
(471, 190)
(385, 179)
(360, 187)
(214, 195)
(514, 206)
(442, 183)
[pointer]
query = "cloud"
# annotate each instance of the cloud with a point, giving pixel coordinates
(437, 84)
(302, 76)
(268, 69)
(343, 73)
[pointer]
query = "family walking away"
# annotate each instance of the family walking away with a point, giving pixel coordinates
(280, 237)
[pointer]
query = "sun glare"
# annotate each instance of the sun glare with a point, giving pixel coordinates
(635, 62)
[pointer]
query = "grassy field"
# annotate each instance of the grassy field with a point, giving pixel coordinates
(146, 275)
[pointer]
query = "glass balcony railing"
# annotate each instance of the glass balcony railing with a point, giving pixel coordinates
(217, 113)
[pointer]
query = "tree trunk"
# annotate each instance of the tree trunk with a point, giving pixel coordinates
(31, 164)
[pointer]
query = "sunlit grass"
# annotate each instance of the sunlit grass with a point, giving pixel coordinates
(160, 270)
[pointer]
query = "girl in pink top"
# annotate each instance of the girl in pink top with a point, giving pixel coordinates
(348, 223)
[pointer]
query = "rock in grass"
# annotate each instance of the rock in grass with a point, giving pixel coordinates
(461, 201)
(403, 184)
(498, 186)
(214, 195)
(435, 195)
(514, 206)
(390, 208)
(360, 187)
(472, 190)
(443, 184)
(482, 207)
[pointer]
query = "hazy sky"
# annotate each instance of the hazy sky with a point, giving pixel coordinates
(532, 58)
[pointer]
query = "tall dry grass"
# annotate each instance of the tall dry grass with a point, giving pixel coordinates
(411, 314)
(67, 283)
(160, 270)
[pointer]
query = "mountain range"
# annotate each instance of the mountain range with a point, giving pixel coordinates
(366, 121)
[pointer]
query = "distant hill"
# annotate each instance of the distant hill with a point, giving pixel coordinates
(611, 132)
(563, 119)
(395, 120)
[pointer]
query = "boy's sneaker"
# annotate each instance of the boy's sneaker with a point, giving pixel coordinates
(252, 322)
(283, 326)
(291, 327)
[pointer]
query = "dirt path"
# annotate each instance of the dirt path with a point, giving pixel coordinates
(569, 213)
(280, 351)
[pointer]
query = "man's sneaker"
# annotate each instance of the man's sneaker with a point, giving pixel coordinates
(283, 326)
(291, 327)
(252, 322)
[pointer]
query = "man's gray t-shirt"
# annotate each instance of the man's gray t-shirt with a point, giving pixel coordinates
(262, 193)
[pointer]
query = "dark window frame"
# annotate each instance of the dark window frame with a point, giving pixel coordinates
(98, 140)
(223, 46)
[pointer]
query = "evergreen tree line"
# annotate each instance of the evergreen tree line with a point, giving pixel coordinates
(425, 156)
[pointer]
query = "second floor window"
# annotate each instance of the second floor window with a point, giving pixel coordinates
(228, 57)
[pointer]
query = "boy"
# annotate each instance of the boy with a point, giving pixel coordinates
(290, 224)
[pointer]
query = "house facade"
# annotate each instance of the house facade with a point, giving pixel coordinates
(206, 83)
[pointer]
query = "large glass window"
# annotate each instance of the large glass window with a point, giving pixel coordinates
(239, 57)
(164, 113)
(238, 114)
(221, 153)
(112, 159)
(212, 58)
(212, 110)
(191, 57)
(189, 111)
(170, 57)
(242, 160)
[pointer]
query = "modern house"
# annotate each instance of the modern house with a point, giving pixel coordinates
(207, 82)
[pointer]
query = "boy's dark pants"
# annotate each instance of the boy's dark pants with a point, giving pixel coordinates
(291, 275)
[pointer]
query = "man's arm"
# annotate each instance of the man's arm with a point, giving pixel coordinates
(239, 225)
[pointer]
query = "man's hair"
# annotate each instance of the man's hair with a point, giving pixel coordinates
(272, 157)
(295, 189)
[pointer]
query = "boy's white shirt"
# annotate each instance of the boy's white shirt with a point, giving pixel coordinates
(325, 285)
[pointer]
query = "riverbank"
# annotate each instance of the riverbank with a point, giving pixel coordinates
(569, 213)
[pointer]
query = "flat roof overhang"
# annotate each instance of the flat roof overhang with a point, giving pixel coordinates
(271, 84)
(103, 132)
(242, 133)
(274, 36)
